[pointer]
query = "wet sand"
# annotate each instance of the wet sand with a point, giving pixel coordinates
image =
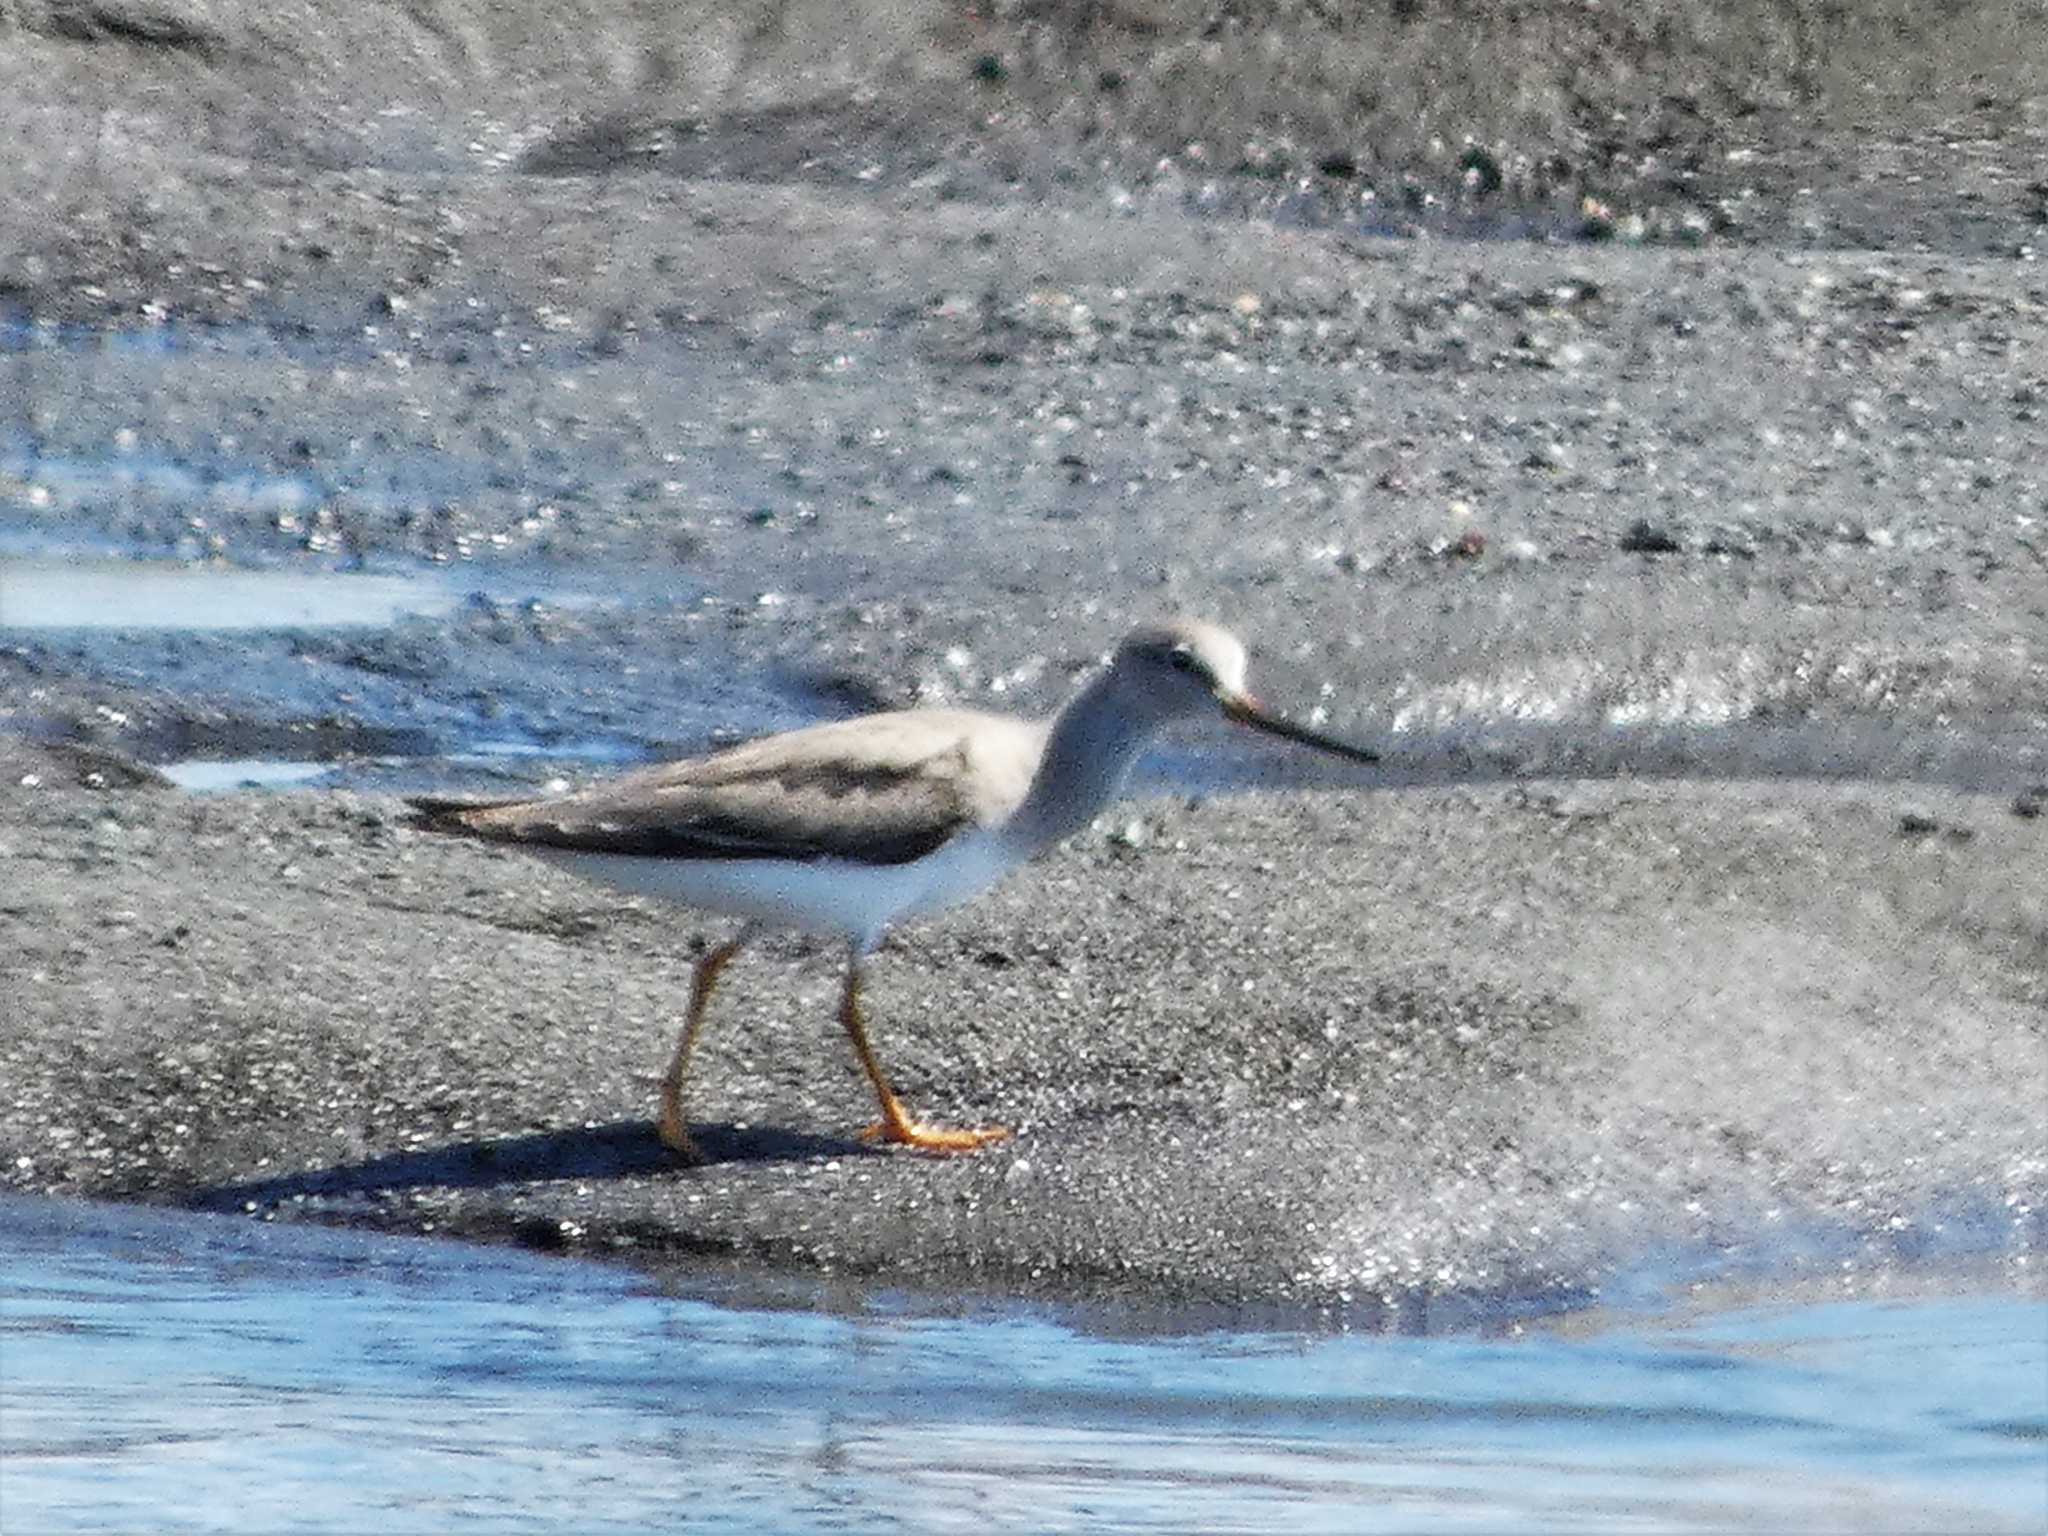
(1485, 1044)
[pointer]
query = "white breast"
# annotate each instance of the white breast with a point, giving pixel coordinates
(829, 896)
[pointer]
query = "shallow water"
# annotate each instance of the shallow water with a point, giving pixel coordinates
(202, 775)
(181, 1373)
(141, 595)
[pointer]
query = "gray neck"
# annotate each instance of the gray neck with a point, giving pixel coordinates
(1092, 745)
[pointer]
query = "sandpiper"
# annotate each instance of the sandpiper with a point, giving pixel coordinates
(844, 829)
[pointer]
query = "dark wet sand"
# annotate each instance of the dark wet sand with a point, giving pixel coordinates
(1484, 1043)
(769, 437)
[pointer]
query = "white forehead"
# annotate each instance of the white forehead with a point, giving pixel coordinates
(1220, 652)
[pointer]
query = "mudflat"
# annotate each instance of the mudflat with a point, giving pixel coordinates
(1649, 461)
(1490, 1043)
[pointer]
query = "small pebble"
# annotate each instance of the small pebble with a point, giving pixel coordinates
(1647, 538)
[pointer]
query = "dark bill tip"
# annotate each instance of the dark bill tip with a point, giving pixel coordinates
(1246, 710)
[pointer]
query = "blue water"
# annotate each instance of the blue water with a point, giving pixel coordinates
(172, 1373)
(184, 595)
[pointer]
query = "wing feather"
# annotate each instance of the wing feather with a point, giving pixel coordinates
(883, 789)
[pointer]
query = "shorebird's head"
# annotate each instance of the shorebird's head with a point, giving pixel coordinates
(1188, 667)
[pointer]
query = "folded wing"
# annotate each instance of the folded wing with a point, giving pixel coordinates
(883, 789)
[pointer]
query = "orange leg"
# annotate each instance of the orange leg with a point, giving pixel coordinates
(895, 1125)
(675, 1135)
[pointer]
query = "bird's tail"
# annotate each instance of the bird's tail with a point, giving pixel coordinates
(445, 813)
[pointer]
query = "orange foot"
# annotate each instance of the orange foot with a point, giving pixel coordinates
(932, 1138)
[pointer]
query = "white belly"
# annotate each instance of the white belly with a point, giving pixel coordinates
(827, 896)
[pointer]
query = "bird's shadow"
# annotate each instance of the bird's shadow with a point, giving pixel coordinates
(619, 1150)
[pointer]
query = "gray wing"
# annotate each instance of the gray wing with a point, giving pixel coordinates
(883, 789)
